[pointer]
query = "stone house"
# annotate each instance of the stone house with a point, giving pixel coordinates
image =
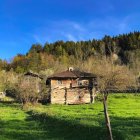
(72, 87)
(34, 78)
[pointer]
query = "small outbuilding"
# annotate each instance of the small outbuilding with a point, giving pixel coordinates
(32, 74)
(34, 78)
(72, 87)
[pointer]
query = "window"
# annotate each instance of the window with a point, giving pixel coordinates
(83, 82)
(80, 83)
(59, 82)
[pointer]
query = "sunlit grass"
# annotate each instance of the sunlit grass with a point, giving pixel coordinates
(72, 122)
(124, 111)
(15, 124)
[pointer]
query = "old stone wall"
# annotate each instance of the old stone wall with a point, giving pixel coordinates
(71, 96)
(58, 96)
(78, 96)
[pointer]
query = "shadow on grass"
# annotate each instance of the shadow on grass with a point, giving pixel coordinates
(128, 128)
(9, 103)
(22, 130)
(35, 127)
(43, 127)
(14, 126)
(68, 130)
(50, 129)
(122, 128)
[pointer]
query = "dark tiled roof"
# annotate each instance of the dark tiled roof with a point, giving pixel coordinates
(30, 73)
(72, 74)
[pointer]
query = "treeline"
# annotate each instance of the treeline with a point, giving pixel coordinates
(125, 48)
(115, 61)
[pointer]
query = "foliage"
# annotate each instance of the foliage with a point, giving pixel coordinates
(126, 47)
(8, 80)
(114, 77)
(28, 89)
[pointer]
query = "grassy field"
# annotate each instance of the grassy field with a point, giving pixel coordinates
(75, 122)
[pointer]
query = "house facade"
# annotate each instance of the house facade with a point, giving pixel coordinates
(72, 87)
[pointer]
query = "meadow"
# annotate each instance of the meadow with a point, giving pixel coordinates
(72, 122)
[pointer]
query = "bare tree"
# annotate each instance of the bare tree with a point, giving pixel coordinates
(28, 90)
(112, 77)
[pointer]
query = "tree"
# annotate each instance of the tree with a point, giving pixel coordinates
(36, 48)
(8, 80)
(47, 48)
(28, 90)
(34, 61)
(111, 78)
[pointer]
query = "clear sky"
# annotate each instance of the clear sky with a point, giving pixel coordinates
(23, 22)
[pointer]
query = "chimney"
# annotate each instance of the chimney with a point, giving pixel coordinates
(70, 69)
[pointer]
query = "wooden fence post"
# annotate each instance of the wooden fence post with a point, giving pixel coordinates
(107, 119)
(65, 95)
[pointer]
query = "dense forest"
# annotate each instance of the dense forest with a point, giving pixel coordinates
(125, 48)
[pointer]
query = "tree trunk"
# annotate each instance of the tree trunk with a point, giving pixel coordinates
(107, 117)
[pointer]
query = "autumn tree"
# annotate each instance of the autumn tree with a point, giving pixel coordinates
(36, 48)
(111, 78)
(28, 90)
(8, 80)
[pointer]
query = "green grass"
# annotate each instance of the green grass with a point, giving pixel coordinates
(72, 122)
(15, 124)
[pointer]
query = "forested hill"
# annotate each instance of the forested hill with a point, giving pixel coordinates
(40, 57)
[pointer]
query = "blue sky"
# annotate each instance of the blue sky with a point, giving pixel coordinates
(24, 22)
